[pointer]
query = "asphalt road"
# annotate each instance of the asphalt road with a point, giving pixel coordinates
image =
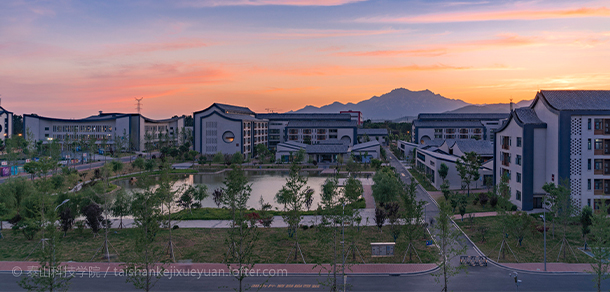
(478, 279)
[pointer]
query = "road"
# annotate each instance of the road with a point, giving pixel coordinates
(478, 279)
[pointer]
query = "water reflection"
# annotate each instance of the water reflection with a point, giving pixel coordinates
(264, 183)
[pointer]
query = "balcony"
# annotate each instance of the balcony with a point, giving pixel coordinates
(449, 131)
(602, 187)
(602, 147)
(602, 127)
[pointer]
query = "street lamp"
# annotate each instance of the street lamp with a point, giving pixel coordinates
(544, 228)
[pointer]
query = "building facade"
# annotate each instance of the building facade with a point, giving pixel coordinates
(455, 126)
(134, 130)
(562, 137)
(6, 124)
(228, 129)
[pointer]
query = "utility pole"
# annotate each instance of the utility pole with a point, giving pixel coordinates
(139, 104)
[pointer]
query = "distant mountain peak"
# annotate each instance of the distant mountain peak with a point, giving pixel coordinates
(397, 103)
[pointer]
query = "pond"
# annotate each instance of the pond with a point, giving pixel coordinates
(265, 184)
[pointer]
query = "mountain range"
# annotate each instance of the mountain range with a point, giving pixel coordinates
(400, 103)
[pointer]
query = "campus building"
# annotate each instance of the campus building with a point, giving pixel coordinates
(284, 127)
(380, 135)
(134, 130)
(329, 151)
(228, 129)
(429, 158)
(455, 126)
(6, 124)
(563, 136)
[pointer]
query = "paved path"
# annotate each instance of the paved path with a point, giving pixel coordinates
(102, 268)
(550, 267)
(480, 214)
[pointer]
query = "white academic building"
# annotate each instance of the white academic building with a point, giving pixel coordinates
(455, 126)
(564, 135)
(134, 129)
(228, 129)
(6, 124)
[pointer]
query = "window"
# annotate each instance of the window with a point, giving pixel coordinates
(597, 184)
(438, 130)
(598, 144)
(518, 159)
(46, 128)
(589, 144)
(449, 136)
(438, 136)
(598, 164)
(518, 177)
(589, 184)
(589, 124)
(518, 195)
(589, 164)
(518, 141)
(598, 124)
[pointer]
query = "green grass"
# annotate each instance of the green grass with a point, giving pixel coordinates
(532, 247)
(422, 181)
(223, 214)
(208, 245)
(156, 172)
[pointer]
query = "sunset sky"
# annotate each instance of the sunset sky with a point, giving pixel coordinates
(73, 58)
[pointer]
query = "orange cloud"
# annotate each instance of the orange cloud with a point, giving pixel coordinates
(502, 41)
(326, 33)
(494, 15)
(137, 48)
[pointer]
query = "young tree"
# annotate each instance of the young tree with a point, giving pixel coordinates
(219, 158)
(328, 231)
(50, 275)
(413, 217)
(468, 168)
(121, 206)
(293, 195)
(599, 238)
(238, 158)
(585, 221)
(140, 266)
(519, 225)
(167, 192)
(353, 190)
(387, 186)
(243, 234)
(117, 167)
(562, 208)
(380, 217)
(199, 193)
(443, 171)
(447, 239)
(217, 197)
(150, 164)
(138, 163)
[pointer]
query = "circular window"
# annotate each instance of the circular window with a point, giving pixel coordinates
(228, 137)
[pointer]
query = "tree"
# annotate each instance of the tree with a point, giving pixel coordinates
(443, 171)
(219, 158)
(138, 163)
(387, 186)
(447, 239)
(121, 206)
(413, 217)
(585, 221)
(50, 275)
(293, 195)
(199, 193)
(519, 225)
(392, 210)
(93, 217)
(242, 237)
(353, 190)
(117, 166)
(150, 164)
(299, 156)
(562, 208)
(380, 217)
(468, 168)
(332, 218)
(238, 158)
(141, 265)
(375, 163)
(217, 196)
(600, 236)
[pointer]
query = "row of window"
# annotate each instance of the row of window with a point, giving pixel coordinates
(82, 128)
(310, 131)
(440, 136)
(310, 137)
(72, 137)
(598, 144)
(255, 125)
(461, 131)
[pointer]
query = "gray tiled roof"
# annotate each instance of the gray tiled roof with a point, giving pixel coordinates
(234, 108)
(327, 148)
(294, 116)
(466, 116)
(322, 124)
(481, 147)
(373, 132)
(446, 124)
(357, 147)
(578, 99)
(527, 116)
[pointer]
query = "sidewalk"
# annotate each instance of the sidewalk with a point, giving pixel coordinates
(476, 215)
(102, 269)
(550, 267)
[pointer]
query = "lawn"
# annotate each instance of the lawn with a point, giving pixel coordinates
(422, 180)
(208, 245)
(224, 214)
(532, 245)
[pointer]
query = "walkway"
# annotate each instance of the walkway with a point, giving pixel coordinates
(476, 215)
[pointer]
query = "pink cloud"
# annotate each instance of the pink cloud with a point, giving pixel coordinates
(213, 3)
(494, 15)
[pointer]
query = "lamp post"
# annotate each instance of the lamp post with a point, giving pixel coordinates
(544, 229)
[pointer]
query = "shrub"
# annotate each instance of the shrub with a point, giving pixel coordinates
(513, 208)
(483, 199)
(493, 201)
(475, 201)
